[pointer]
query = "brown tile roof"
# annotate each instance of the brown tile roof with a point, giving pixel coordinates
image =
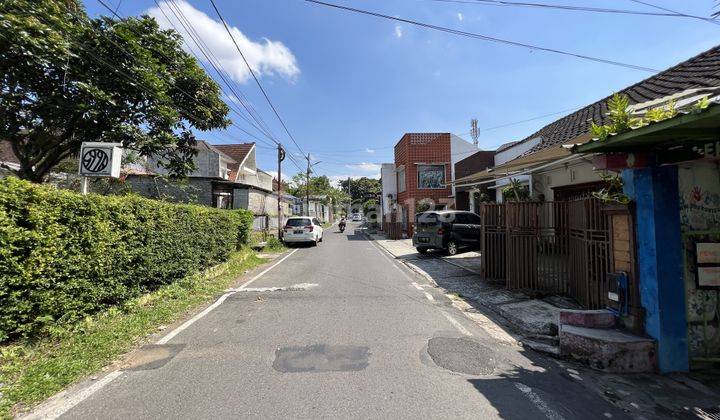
(236, 151)
(701, 71)
(6, 152)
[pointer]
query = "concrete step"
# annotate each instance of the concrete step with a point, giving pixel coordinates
(600, 318)
(608, 350)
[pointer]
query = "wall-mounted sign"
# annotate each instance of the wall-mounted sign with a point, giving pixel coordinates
(687, 152)
(100, 159)
(707, 258)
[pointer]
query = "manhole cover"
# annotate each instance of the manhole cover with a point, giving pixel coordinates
(461, 355)
(321, 358)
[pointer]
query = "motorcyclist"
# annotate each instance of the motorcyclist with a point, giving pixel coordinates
(342, 224)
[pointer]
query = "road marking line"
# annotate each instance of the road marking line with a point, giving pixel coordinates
(218, 302)
(61, 403)
(292, 288)
(429, 296)
(539, 403)
(417, 286)
(456, 323)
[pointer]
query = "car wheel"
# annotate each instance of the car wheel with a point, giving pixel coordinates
(452, 247)
(422, 250)
(321, 238)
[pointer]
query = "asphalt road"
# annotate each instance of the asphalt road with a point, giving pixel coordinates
(347, 335)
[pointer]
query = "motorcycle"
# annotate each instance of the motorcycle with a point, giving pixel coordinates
(342, 226)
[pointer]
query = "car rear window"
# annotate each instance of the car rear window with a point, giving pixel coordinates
(427, 219)
(298, 222)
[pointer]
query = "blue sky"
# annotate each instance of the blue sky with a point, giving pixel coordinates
(348, 86)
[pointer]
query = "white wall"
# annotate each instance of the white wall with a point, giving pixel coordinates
(388, 179)
(459, 150)
(574, 173)
(516, 150)
(508, 155)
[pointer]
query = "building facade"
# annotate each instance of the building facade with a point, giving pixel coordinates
(424, 170)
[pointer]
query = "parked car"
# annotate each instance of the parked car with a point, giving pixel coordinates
(448, 230)
(357, 217)
(302, 229)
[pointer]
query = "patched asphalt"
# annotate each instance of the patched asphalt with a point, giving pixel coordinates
(362, 343)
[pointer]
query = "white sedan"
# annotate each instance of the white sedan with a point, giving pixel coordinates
(303, 229)
(357, 217)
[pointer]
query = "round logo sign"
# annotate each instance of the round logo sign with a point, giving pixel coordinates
(95, 160)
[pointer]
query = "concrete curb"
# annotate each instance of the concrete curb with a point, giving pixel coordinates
(526, 339)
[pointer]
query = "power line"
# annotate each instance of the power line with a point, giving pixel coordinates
(654, 6)
(484, 37)
(209, 56)
(182, 91)
(502, 3)
(252, 72)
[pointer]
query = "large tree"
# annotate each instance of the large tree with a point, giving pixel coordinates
(319, 186)
(362, 189)
(67, 78)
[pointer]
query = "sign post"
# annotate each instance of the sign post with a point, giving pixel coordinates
(100, 160)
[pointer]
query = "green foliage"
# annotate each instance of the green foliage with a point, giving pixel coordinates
(67, 78)
(319, 186)
(64, 256)
(516, 191)
(370, 206)
(362, 189)
(620, 119)
(33, 370)
(700, 105)
(613, 190)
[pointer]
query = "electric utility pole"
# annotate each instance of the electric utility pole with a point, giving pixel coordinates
(281, 157)
(307, 184)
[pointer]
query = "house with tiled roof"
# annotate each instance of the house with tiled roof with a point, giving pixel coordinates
(226, 176)
(650, 251)
(547, 166)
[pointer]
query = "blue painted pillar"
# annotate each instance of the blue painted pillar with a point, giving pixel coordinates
(662, 289)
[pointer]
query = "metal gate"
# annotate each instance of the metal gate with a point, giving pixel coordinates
(553, 247)
(590, 256)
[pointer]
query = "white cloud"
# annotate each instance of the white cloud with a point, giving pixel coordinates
(398, 31)
(369, 150)
(365, 167)
(460, 16)
(265, 57)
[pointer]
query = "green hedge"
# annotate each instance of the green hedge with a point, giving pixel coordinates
(64, 256)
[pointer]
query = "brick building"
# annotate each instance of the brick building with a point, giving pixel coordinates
(466, 197)
(424, 169)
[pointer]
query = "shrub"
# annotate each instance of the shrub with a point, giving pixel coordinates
(64, 256)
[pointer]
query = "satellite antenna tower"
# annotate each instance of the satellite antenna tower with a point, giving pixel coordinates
(474, 132)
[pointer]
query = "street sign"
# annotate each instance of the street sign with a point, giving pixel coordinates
(100, 159)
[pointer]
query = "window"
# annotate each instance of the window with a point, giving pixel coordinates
(401, 180)
(298, 222)
(431, 176)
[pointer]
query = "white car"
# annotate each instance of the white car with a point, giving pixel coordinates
(356, 217)
(302, 229)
